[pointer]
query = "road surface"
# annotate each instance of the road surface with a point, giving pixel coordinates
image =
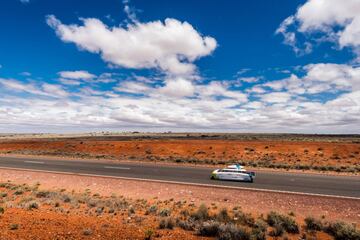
(345, 186)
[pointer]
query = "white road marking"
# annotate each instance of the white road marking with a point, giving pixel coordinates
(35, 162)
(184, 183)
(121, 168)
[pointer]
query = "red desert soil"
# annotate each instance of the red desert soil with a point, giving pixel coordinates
(255, 202)
(317, 153)
(42, 224)
(45, 224)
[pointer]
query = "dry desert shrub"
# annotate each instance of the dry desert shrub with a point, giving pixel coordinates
(341, 230)
(148, 234)
(2, 210)
(151, 210)
(202, 213)
(244, 218)
(223, 215)
(313, 224)
(14, 226)
(279, 221)
(233, 232)
(87, 232)
(209, 228)
(32, 205)
(167, 223)
(165, 212)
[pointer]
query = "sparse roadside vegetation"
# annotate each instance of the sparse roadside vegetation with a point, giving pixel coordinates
(313, 224)
(155, 216)
(340, 230)
(282, 223)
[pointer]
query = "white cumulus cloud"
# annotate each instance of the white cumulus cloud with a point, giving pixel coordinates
(171, 46)
(283, 106)
(319, 78)
(338, 21)
(76, 75)
(178, 87)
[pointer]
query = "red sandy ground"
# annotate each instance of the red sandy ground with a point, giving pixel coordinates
(288, 152)
(40, 224)
(256, 202)
(43, 223)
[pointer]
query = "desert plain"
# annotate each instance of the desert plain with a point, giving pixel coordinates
(43, 205)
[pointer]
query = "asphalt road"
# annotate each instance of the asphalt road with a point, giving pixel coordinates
(293, 182)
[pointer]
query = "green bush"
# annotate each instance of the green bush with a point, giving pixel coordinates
(341, 230)
(32, 205)
(167, 223)
(257, 234)
(209, 229)
(131, 210)
(223, 215)
(233, 232)
(313, 224)
(165, 212)
(66, 198)
(148, 234)
(259, 230)
(287, 223)
(184, 213)
(3, 194)
(186, 225)
(277, 231)
(151, 209)
(43, 194)
(261, 224)
(201, 214)
(18, 192)
(245, 218)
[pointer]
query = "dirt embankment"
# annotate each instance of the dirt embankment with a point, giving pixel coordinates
(303, 155)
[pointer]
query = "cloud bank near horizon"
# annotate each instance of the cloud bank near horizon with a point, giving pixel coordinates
(314, 98)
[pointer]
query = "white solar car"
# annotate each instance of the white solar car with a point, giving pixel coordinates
(233, 173)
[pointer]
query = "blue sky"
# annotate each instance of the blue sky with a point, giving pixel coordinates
(244, 66)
